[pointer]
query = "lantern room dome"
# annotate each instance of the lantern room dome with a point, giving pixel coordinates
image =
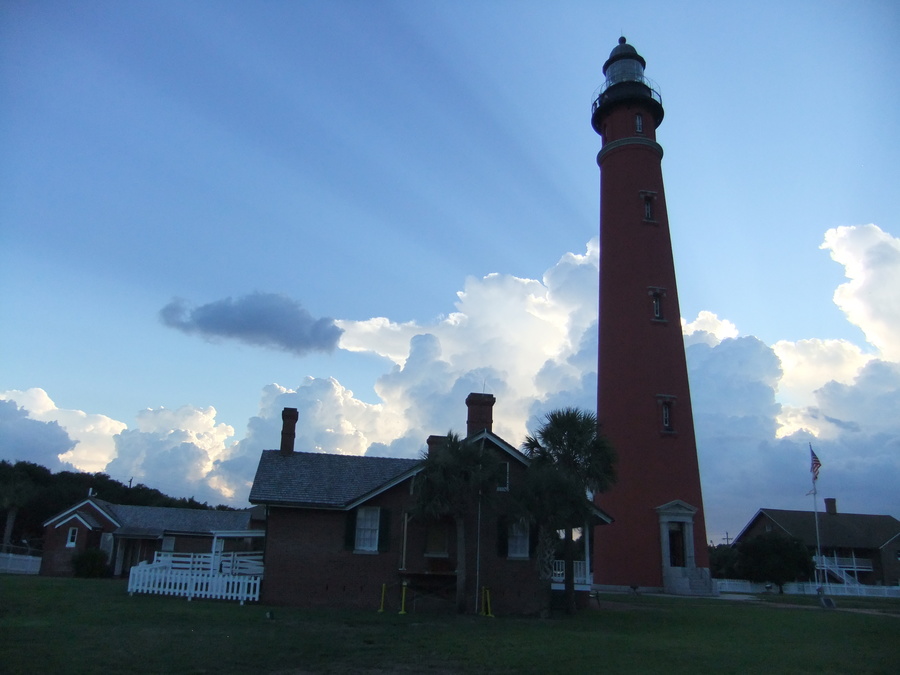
(623, 50)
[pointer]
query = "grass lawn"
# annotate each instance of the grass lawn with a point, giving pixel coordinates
(93, 626)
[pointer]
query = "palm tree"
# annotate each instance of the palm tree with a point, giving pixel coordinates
(568, 452)
(455, 476)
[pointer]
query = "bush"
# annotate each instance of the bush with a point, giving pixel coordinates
(90, 563)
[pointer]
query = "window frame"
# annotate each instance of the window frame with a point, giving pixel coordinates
(72, 537)
(518, 540)
(503, 483)
(657, 311)
(648, 209)
(365, 535)
(666, 403)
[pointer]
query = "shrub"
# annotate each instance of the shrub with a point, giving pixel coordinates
(90, 563)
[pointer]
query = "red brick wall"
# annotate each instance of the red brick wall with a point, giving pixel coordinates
(57, 557)
(307, 563)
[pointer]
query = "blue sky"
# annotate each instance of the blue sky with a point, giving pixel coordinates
(197, 198)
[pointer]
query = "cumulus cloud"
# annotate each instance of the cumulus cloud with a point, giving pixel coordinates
(708, 329)
(260, 319)
(92, 434)
(29, 440)
(174, 451)
(871, 260)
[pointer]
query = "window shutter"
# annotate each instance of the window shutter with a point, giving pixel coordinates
(384, 530)
(532, 540)
(502, 537)
(350, 531)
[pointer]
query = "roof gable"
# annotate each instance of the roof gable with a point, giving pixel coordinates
(500, 444)
(91, 504)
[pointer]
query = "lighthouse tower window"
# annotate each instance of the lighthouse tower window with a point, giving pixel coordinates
(647, 200)
(639, 123)
(666, 410)
(656, 303)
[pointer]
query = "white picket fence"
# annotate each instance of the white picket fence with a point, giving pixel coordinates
(13, 563)
(808, 588)
(217, 576)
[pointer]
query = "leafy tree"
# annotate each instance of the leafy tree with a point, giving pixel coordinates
(722, 561)
(16, 489)
(454, 477)
(51, 493)
(775, 558)
(90, 563)
(569, 453)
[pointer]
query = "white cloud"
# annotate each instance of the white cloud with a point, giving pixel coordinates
(517, 338)
(174, 451)
(29, 440)
(707, 328)
(92, 433)
(871, 260)
(808, 365)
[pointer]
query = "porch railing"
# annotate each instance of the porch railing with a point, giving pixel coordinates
(808, 588)
(235, 562)
(559, 572)
(845, 563)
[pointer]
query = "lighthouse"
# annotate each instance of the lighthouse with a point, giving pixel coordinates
(658, 540)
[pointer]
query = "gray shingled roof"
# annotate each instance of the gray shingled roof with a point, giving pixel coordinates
(838, 530)
(322, 480)
(155, 520)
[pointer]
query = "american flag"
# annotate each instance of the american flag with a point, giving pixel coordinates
(815, 464)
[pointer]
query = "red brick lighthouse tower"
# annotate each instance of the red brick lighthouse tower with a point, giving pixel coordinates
(658, 539)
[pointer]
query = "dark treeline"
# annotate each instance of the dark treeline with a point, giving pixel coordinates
(30, 494)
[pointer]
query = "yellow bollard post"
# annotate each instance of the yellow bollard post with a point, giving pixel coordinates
(383, 590)
(403, 599)
(488, 592)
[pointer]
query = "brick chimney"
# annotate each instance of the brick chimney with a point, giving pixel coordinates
(831, 505)
(435, 443)
(481, 413)
(289, 418)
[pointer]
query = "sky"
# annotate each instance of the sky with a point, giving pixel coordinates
(366, 210)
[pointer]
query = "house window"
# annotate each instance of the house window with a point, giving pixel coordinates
(367, 519)
(436, 538)
(168, 544)
(72, 537)
(517, 540)
(639, 123)
(503, 482)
